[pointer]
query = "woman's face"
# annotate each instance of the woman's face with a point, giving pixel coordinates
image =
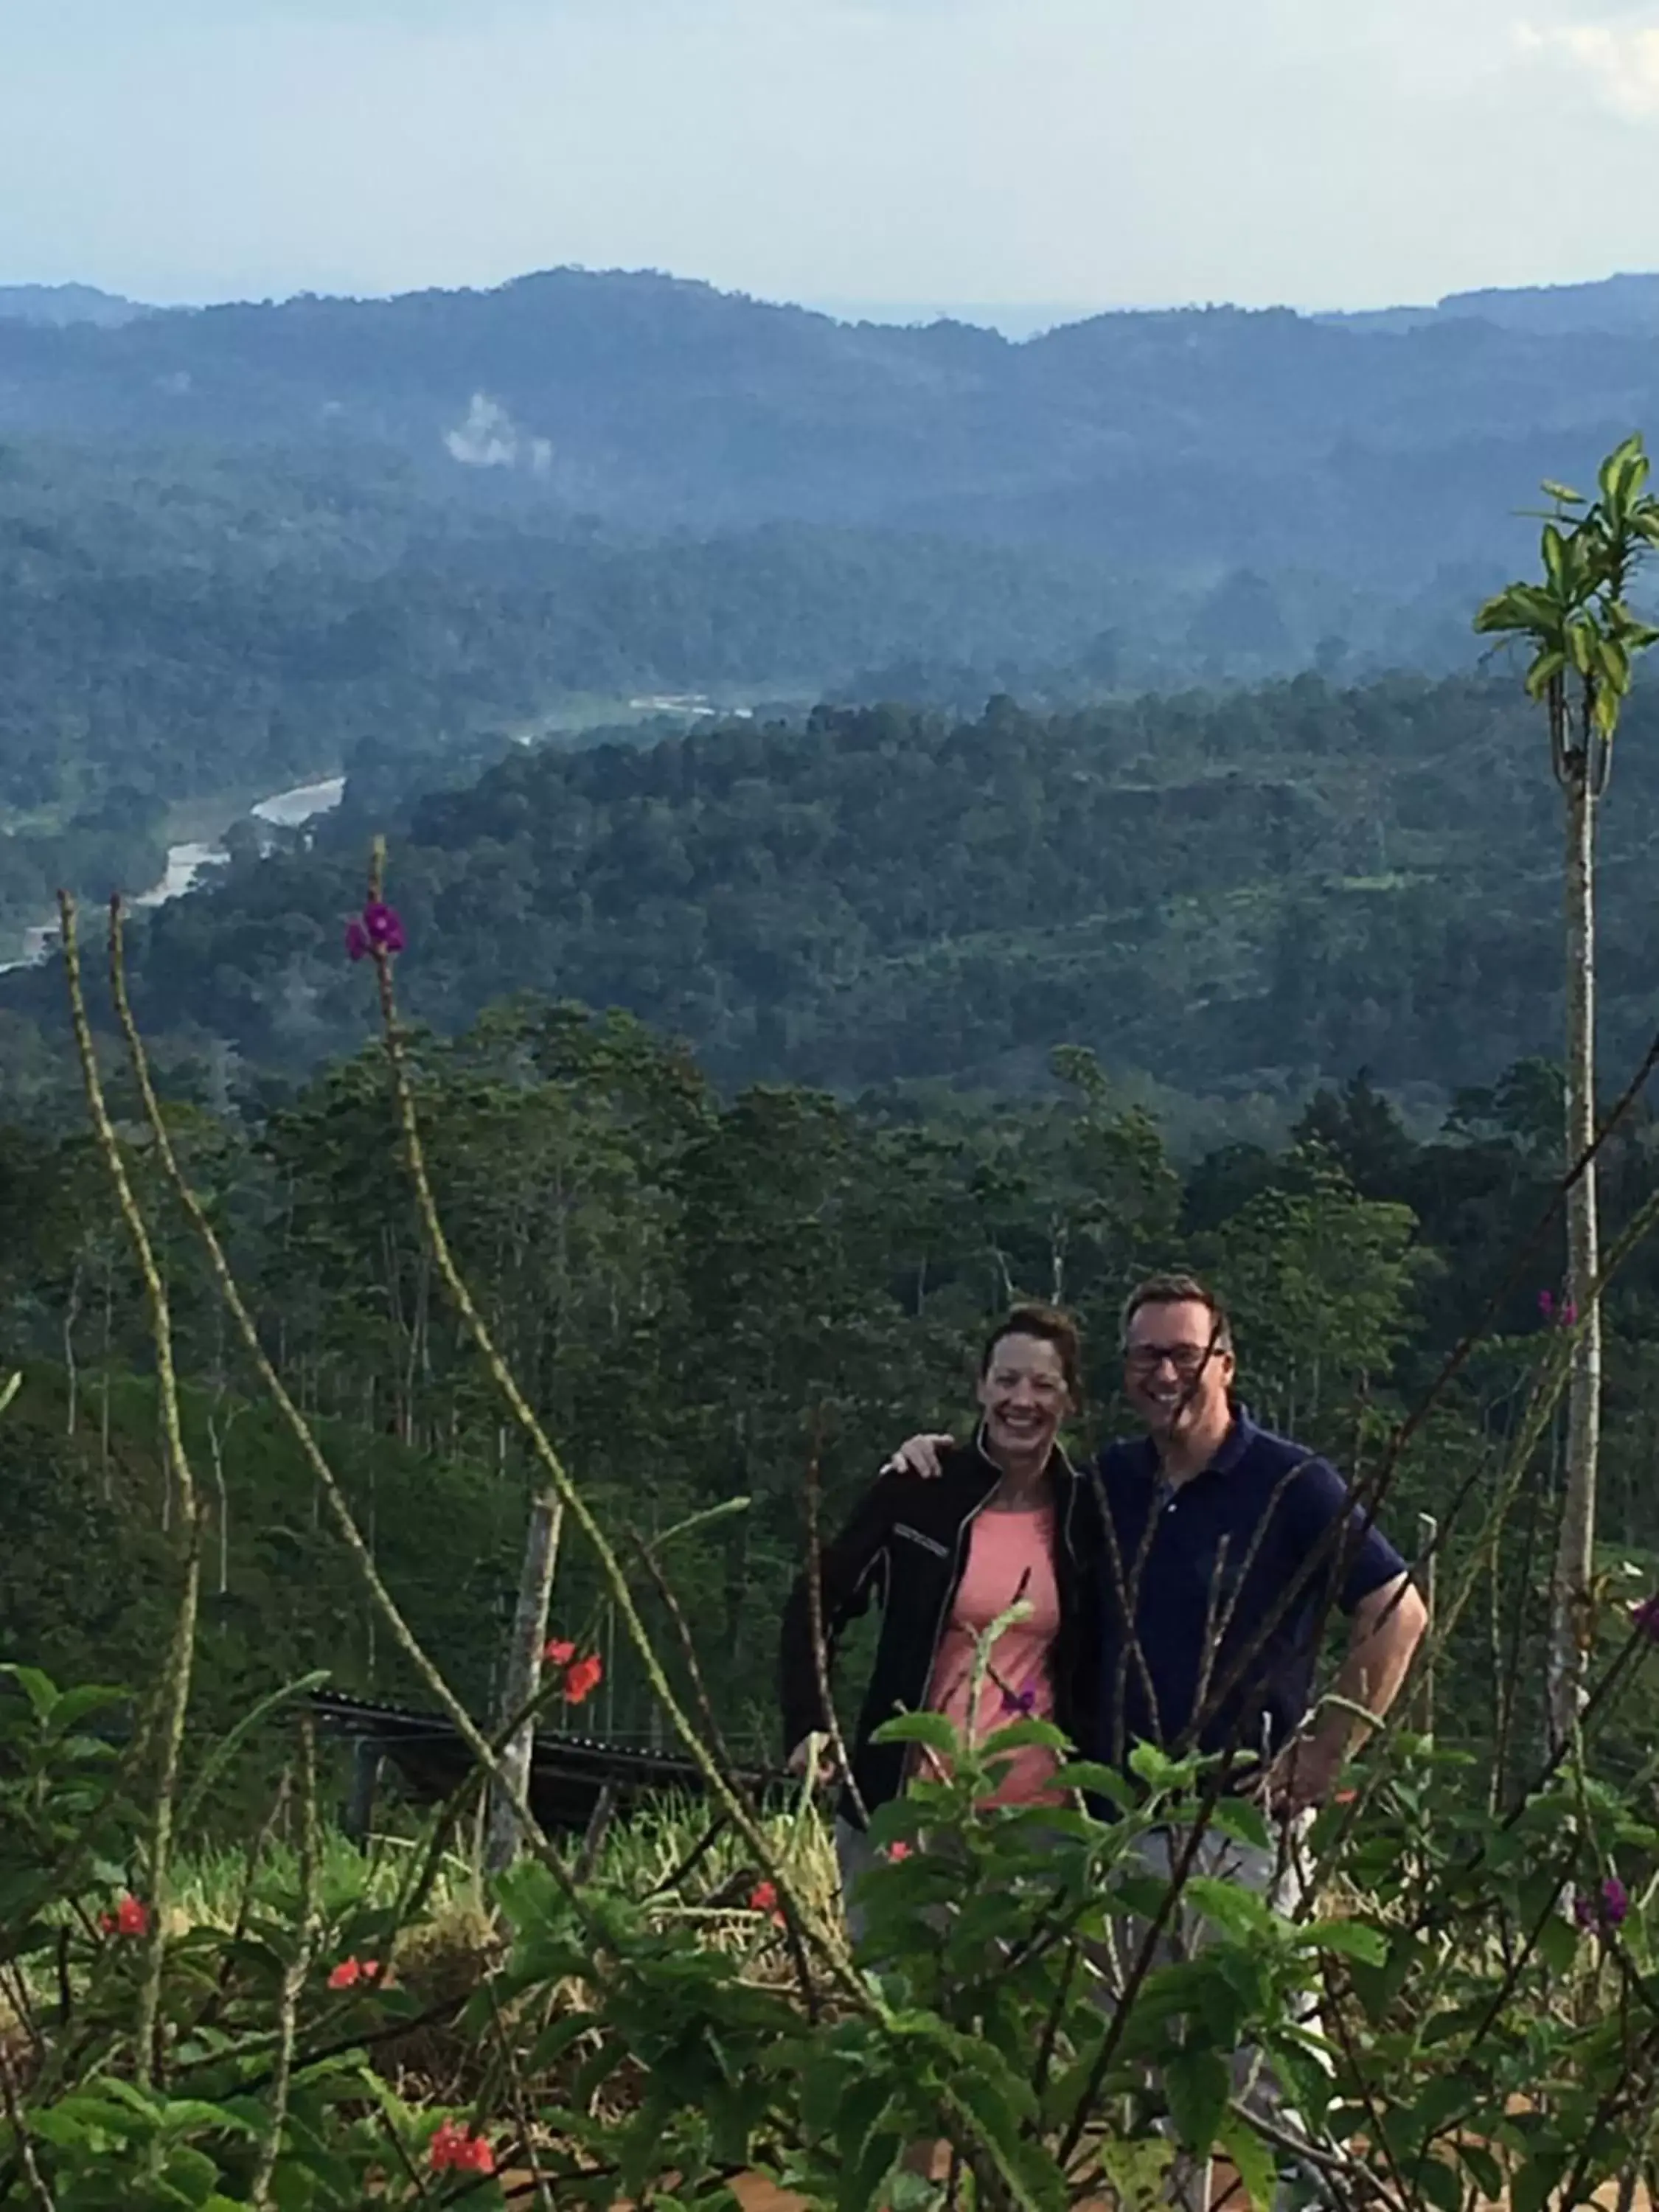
(1023, 1394)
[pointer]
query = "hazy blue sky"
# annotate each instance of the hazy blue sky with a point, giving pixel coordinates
(1101, 152)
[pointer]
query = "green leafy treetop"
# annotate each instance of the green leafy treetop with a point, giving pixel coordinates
(1583, 633)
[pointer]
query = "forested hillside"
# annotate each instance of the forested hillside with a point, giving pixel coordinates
(698, 1292)
(1235, 895)
(1215, 436)
(248, 545)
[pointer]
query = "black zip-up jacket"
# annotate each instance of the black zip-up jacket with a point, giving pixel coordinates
(906, 1545)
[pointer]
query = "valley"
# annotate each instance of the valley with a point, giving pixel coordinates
(684, 857)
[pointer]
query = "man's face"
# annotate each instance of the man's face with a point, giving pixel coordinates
(1176, 1381)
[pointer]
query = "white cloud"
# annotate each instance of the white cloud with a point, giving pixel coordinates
(487, 439)
(1621, 60)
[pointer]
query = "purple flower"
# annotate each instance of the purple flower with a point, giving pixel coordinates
(1644, 1618)
(1569, 1315)
(356, 940)
(383, 928)
(1547, 1305)
(1605, 1908)
(1018, 1701)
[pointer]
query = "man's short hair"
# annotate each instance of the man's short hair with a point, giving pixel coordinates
(1178, 1291)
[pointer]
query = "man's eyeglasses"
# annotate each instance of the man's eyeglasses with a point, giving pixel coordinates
(1186, 1360)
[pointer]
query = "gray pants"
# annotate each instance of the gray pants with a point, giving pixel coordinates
(854, 1855)
(1281, 1876)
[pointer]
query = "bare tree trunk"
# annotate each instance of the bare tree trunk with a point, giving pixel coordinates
(71, 1315)
(1572, 1602)
(103, 1411)
(523, 1673)
(216, 1446)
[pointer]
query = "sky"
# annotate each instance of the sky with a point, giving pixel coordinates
(1043, 154)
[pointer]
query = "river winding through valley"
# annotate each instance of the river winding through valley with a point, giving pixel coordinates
(190, 864)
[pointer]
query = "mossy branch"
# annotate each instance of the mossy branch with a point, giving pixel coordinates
(230, 1292)
(735, 1807)
(173, 1699)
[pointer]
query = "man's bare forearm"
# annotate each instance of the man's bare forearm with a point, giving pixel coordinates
(1387, 1627)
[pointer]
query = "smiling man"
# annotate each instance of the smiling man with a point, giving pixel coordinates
(1230, 1546)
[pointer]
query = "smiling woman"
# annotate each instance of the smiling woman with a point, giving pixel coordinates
(1009, 1522)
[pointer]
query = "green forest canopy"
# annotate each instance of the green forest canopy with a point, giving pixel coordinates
(1234, 894)
(699, 1292)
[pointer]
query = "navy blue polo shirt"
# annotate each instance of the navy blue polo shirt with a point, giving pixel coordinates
(1218, 1587)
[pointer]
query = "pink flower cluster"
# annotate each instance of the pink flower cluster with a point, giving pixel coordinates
(377, 929)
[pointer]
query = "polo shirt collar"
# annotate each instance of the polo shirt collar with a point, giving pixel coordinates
(1239, 1438)
(1236, 1441)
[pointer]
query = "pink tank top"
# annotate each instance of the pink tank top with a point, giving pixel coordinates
(1010, 1555)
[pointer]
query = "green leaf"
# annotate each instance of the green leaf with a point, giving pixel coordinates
(1531, 2188)
(864, 2174)
(1197, 2082)
(1488, 2174)
(1555, 559)
(1349, 1939)
(1439, 2183)
(1623, 473)
(1020, 1734)
(1558, 1944)
(39, 1689)
(74, 1705)
(857, 2111)
(930, 1729)
(1239, 1911)
(1564, 493)
(1250, 2155)
(1243, 1818)
(1544, 671)
(1159, 1771)
(1094, 1780)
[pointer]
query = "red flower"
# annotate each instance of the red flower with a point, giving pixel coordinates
(763, 1898)
(350, 1971)
(454, 2150)
(130, 1917)
(898, 1853)
(558, 1653)
(582, 1678)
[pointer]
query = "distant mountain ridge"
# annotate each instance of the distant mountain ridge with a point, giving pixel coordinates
(1627, 303)
(61, 304)
(1195, 440)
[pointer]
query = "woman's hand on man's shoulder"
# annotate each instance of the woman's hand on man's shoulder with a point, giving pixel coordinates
(921, 1456)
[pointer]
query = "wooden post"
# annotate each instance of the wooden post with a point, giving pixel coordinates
(522, 1675)
(365, 1778)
